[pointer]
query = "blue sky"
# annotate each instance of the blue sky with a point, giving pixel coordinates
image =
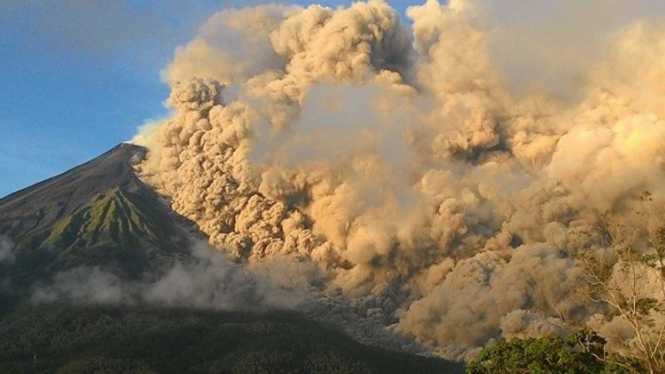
(79, 76)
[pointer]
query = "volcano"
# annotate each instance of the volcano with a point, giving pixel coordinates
(101, 215)
(97, 214)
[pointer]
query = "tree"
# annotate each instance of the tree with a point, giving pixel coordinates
(629, 280)
(549, 355)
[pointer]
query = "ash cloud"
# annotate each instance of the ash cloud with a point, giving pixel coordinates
(554, 45)
(454, 193)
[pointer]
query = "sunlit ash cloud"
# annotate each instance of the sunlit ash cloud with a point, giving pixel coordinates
(407, 164)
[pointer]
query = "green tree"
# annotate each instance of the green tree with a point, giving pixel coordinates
(582, 353)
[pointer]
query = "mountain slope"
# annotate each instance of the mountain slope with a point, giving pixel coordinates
(97, 214)
(35, 207)
(100, 214)
(65, 339)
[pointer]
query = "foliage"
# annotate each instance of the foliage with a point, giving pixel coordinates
(581, 353)
(631, 284)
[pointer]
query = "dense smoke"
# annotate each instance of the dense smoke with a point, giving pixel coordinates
(401, 165)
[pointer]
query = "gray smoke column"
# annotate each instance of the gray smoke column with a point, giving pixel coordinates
(398, 163)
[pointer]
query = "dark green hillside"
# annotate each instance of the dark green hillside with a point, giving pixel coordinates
(60, 339)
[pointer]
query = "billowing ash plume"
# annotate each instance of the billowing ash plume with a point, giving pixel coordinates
(399, 164)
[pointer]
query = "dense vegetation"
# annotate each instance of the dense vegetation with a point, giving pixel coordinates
(582, 353)
(65, 339)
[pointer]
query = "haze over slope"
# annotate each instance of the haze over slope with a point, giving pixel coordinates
(406, 163)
